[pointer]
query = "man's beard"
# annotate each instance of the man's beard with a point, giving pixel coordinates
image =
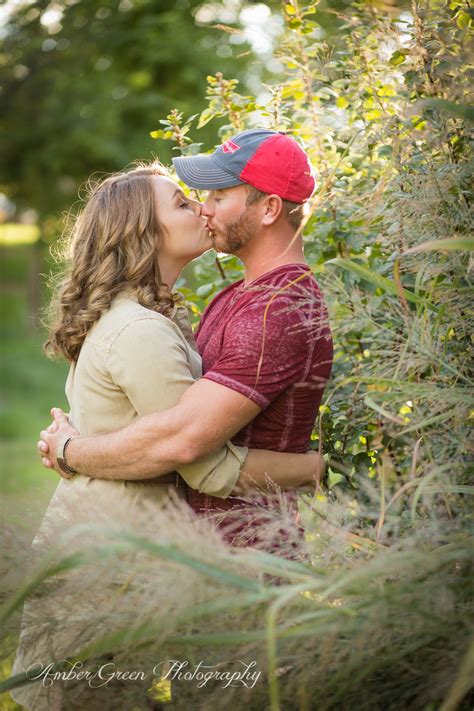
(235, 235)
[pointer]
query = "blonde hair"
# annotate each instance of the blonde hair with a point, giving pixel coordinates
(112, 246)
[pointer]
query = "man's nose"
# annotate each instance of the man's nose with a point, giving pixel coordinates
(206, 210)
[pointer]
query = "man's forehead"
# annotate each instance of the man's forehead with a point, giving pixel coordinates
(226, 191)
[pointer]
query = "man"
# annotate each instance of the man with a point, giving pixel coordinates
(265, 341)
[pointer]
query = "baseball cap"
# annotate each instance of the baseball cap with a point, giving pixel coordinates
(271, 161)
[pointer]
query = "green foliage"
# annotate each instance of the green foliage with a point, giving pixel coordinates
(83, 83)
(29, 382)
(381, 107)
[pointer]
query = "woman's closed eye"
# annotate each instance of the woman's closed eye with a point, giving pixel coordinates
(194, 205)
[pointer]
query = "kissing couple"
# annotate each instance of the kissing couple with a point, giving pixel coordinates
(157, 411)
(230, 409)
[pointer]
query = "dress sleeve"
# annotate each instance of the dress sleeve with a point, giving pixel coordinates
(148, 361)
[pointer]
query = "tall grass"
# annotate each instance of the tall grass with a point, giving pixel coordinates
(363, 625)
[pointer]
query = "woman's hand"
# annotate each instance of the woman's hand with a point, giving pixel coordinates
(264, 469)
(47, 445)
(317, 467)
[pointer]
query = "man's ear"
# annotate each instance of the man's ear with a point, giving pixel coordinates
(273, 207)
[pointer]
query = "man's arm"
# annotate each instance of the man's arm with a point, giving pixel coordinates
(207, 415)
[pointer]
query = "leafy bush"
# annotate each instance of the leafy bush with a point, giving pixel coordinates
(381, 108)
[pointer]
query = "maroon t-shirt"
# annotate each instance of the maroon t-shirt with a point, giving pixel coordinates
(270, 341)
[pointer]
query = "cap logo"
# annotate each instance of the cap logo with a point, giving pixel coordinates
(230, 147)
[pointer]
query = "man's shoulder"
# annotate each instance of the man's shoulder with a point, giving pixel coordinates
(290, 284)
(286, 304)
(288, 277)
(287, 294)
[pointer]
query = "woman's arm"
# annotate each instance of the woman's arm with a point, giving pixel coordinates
(263, 469)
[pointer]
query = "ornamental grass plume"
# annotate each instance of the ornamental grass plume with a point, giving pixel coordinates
(360, 624)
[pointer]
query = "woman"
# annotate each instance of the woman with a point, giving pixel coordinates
(130, 346)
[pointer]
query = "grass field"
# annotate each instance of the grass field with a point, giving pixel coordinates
(30, 385)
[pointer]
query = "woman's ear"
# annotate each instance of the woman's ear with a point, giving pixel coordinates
(272, 209)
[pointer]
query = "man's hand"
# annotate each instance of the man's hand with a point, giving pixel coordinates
(50, 438)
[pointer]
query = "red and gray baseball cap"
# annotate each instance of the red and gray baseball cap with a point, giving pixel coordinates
(271, 161)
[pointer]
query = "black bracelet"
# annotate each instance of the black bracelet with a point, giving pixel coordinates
(62, 461)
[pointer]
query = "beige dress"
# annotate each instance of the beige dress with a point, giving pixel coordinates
(133, 362)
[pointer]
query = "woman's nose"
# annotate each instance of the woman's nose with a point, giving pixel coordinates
(197, 207)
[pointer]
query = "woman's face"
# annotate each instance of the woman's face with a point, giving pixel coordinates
(185, 235)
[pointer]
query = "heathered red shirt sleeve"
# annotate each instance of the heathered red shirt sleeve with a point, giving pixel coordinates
(265, 346)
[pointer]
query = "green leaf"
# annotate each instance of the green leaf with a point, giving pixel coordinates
(377, 280)
(70, 562)
(206, 116)
(204, 290)
(342, 103)
(373, 115)
(192, 149)
(450, 244)
(334, 478)
(463, 20)
(173, 553)
(382, 411)
(397, 58)
(450, 488)
(25, 677)
(451, 108)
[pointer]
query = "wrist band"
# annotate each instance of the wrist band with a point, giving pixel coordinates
(61, 456)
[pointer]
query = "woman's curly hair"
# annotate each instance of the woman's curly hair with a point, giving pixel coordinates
(112, 246)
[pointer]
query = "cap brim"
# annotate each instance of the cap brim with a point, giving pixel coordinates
(204, 173)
